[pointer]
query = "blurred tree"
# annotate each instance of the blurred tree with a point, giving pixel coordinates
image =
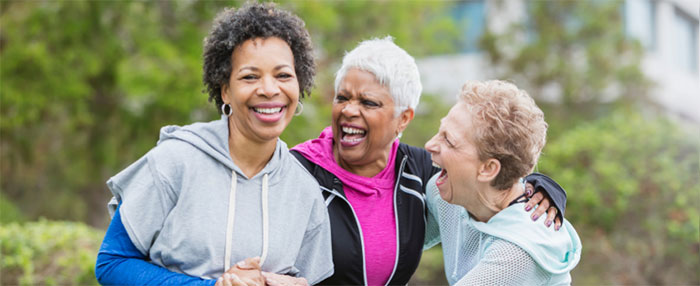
(634, 187)
(338, 26)
(633, 181)
(86, 85)
(573, 56)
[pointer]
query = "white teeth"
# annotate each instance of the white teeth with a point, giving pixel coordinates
(351, 130)
(436, 165)
(268, 110)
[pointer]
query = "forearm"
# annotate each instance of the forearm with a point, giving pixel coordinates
(117, 270)
(119, 262)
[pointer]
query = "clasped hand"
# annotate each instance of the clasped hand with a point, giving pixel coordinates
(249, 273)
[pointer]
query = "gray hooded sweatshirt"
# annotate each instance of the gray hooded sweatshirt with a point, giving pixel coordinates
(190, 209)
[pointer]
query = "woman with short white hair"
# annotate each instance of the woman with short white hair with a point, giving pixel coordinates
(373, 185)
(486, 144)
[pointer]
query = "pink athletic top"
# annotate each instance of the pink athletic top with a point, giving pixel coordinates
(373, 202)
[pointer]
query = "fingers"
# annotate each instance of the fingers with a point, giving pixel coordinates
(534, 200)
(543, 206)
(271, 279)
(231, 279)
(238, 281)
(253, 261)
(529, 189)
(224, 280)
(249, 263)
(557, 224)
(301, 281)
(551, 214)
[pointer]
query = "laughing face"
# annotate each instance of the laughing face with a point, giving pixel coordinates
(263, 90)
(454, 151)
(364, 122)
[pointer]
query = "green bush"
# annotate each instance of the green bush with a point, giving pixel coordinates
(634, 185)
(8, 211)
(49, 253)
(431, 270)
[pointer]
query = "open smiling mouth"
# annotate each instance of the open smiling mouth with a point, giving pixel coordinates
(351, 136)
(267, 110)
(269, 114)
(443, 176)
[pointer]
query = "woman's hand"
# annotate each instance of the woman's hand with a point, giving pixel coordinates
(244, 273)
(230, 280)
(544, 204)
(273, 279)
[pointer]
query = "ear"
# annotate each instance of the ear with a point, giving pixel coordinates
(488, 170)
(224, 93)
(404, 118)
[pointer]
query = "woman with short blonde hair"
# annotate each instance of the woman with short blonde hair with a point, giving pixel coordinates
(486, 144)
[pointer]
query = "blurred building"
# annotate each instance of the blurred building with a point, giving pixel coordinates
(667, 29)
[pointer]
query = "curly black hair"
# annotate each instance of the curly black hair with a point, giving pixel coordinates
(232, 27)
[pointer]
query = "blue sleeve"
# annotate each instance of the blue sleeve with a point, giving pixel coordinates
(119, 262)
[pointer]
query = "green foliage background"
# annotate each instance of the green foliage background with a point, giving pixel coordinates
(86, 85)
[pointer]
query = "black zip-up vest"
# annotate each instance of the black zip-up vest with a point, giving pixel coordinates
(413, 170)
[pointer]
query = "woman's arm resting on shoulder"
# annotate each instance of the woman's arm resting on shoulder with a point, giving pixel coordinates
(119, 262)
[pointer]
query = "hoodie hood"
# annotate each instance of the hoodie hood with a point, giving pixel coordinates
(189, 178)
(557, 252)
(212, 139)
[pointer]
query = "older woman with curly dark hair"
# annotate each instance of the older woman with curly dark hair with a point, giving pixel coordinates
(213, 194)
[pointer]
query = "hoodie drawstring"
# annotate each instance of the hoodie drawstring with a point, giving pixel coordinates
(229, 223)
(231, 217)
(265, 220)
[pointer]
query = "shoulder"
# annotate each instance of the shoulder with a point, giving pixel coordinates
(514, 224)
(505, 263)
(496, 247)
(172, 155)
(172, 149)
(321, 175)
(556, 251)
(297, 172)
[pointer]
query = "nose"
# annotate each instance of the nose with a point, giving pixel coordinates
(269, 87)
(350, 109)
(431, 146)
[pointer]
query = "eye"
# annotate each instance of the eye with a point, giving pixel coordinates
(249, 77)
(370, 103)
(340, 98)
(284, 75)
(444, 136)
